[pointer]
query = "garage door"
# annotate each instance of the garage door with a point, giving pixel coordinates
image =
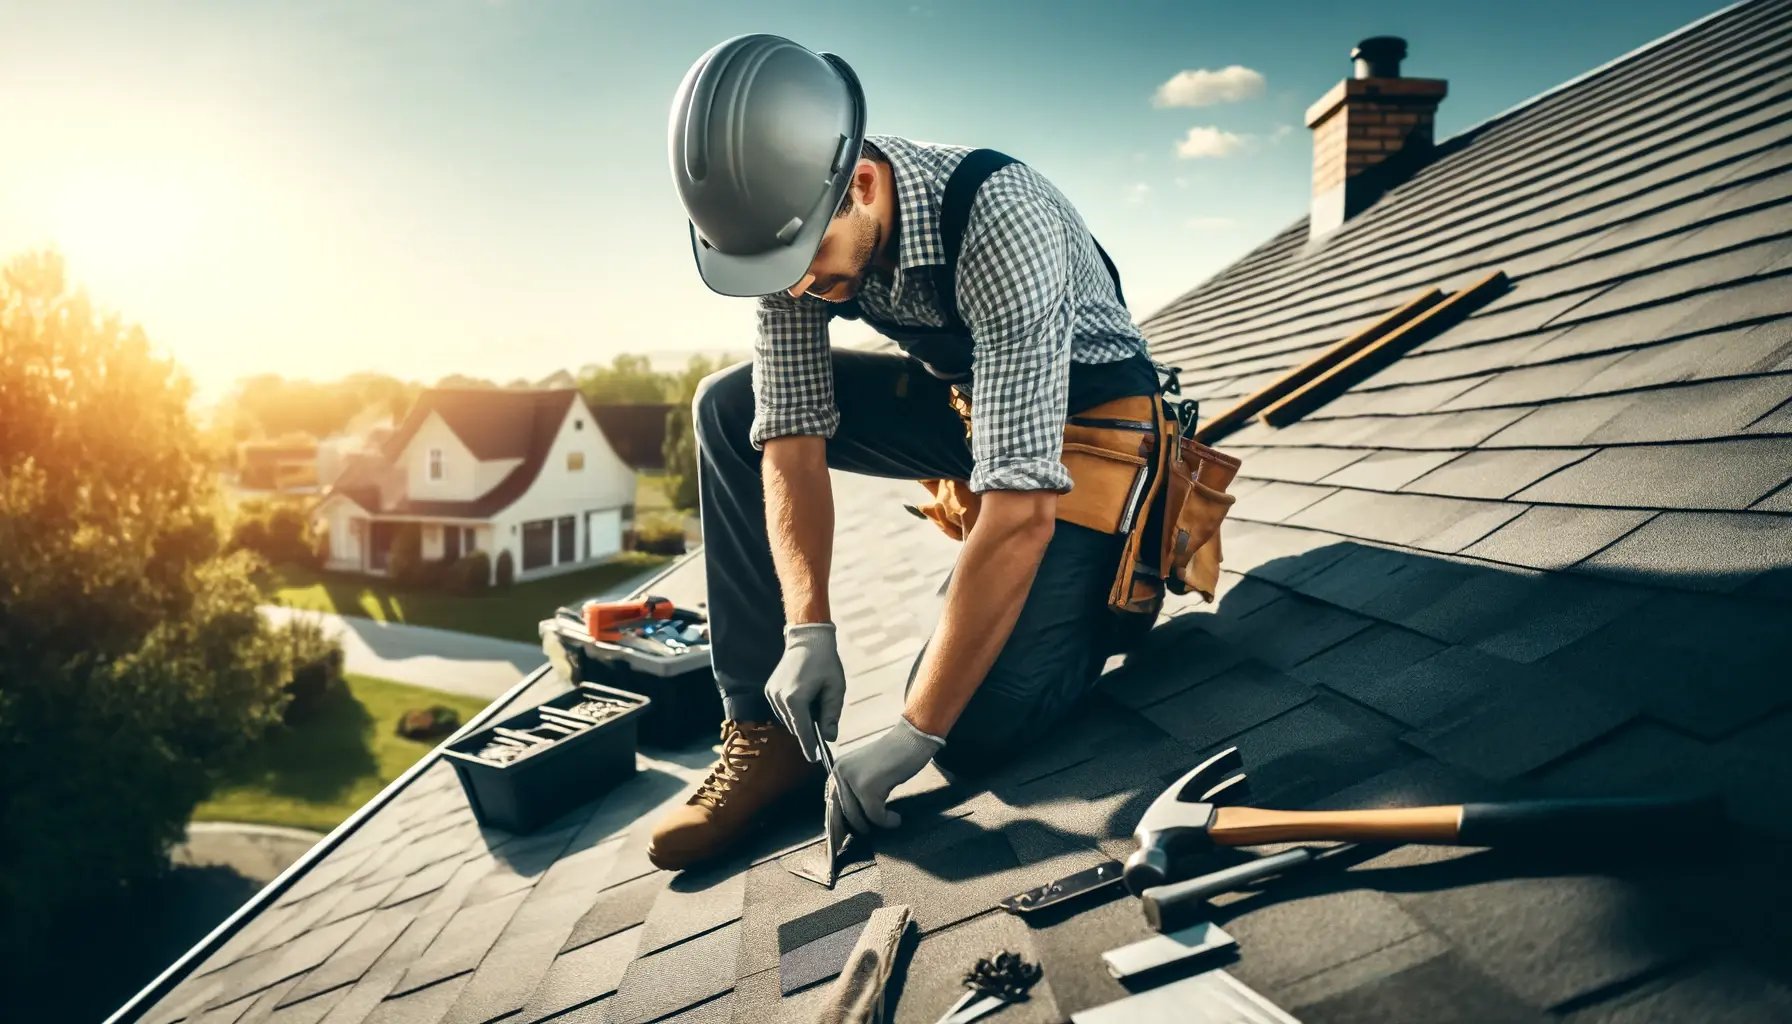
(603, 533)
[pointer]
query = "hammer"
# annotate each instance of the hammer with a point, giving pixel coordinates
(1195, 814)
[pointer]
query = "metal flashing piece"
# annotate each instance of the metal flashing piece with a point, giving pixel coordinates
(1211, 997)
(1069, 887)
(1203, 938)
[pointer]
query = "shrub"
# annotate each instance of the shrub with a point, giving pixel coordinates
(404, 559)
(316, 661)
(471, 573)
(506, 569)
(428, 723)
(661, 534)
(278, 531)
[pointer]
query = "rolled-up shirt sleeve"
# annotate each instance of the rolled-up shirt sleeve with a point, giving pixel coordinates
(793, 373)
(1014, 294)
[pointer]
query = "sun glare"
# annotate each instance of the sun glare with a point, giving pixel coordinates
(116, 221)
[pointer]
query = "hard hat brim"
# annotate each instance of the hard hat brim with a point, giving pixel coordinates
(763, 273)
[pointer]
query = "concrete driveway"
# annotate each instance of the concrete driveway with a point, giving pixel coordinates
(477, 666)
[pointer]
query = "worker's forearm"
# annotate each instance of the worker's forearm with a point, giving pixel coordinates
(990, 582)
(799, 514)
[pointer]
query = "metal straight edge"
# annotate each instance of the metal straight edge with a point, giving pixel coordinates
(178, 971)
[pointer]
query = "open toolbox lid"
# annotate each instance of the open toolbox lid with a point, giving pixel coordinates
(668, 646)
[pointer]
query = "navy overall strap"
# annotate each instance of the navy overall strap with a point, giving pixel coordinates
(955, 216)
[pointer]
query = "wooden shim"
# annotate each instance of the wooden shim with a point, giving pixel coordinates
(1340, 378)
(1248, 406)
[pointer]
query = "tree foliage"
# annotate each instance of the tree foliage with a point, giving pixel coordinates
(271, 406)
(628, 380)
(132, 656)
(681, 436)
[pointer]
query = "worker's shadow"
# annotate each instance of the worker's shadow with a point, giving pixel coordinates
(1208, 677)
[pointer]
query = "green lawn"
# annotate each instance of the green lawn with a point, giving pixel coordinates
(315, 774)
(510, 613)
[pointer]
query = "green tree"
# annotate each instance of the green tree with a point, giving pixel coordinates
(681, 437)
(133, 659)
(628, 380)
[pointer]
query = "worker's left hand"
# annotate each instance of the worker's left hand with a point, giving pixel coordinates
(865, 775)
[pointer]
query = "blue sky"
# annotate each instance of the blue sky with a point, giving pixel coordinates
(482, 186)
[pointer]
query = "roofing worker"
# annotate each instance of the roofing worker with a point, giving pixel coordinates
(790, 202)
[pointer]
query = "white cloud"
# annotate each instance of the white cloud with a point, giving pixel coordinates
(1201, 87)
(1209, 223)
(1181, 182)
(1281, 130)
(1203, 141)
(1138, 193)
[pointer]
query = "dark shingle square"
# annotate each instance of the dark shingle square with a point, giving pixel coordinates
(1704, 550)
(1387, 471)
(1286, 936)
(1714, 475)
(1320, 747)
(1436, 524)
(1555, 537)
(463, 942)
(1561, 609)
(1493, 473)
(1547, 939)
(1527, 722)
(1438, 990)
(1703, 662)
(1373, 654)
(695, 900)
(1230, 703)
(1274, 502)
(676, 977)
(586, 973)
(1727, 990)
(1432, 690)
(617, 908)
(1294, 464)
(1292, 630)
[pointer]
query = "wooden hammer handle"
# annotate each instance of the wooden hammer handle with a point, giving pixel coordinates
(1247, 826)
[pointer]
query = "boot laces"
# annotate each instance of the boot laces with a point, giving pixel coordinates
(741, 741)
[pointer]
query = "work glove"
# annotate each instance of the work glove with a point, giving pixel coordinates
(864, 776)
(808, 688)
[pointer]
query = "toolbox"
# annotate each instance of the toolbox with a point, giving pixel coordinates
(540, 763)
(662, 655)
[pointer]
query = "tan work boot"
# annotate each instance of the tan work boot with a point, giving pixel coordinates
(760, 765)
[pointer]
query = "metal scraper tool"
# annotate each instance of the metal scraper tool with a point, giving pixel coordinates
(822, 865)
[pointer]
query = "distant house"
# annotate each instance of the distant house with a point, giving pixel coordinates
(637, 431)
(528, 471)
(284, 465)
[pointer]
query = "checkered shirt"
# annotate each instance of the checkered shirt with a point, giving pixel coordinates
(1031, 287)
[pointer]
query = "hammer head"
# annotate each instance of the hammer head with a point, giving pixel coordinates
(1175, 825)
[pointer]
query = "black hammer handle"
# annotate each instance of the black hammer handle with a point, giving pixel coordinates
(1579, 822)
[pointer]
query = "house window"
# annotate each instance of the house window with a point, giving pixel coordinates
(538, 544)
(575, 461)
(567, 528)
(435, 464)
(450, 543)
(467, 540)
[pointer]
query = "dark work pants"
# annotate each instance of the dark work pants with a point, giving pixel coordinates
(895, 422)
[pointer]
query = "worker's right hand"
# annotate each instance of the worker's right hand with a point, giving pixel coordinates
(808, 688)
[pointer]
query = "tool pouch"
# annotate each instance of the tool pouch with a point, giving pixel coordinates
(1196, 503)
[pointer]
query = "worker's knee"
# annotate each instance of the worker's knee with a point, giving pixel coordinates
(722, 405)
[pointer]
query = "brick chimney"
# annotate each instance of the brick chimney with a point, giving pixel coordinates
(1370, 132)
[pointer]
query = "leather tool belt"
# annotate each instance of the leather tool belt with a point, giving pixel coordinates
(1126, 458)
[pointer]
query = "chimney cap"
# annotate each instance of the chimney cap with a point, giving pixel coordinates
(1379, 57)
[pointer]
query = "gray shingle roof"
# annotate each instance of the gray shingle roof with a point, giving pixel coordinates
(1546, 552)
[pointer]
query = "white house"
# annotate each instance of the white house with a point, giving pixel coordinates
(525, 471)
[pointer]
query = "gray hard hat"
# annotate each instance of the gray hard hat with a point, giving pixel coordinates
(764, 135)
